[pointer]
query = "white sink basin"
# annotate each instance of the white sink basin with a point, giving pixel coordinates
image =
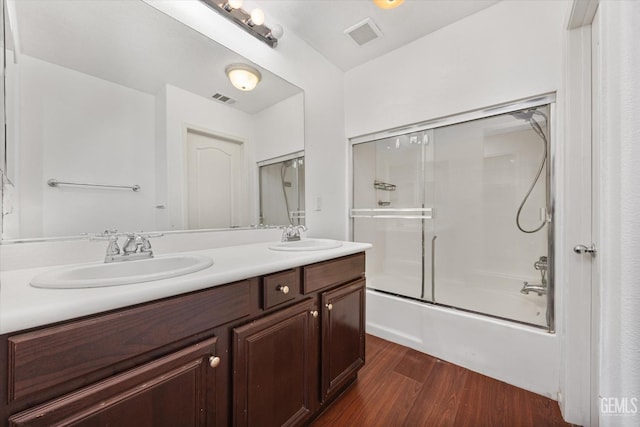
(306, 245)
(121, 273)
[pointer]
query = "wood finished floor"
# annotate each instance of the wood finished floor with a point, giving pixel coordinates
(399, 386)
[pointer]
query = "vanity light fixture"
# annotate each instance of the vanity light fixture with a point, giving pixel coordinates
(232, 4)
(388, 4)
(256, 17)
(243, 77)
(252, 22)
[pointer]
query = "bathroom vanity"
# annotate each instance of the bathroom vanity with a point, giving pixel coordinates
(269, 349)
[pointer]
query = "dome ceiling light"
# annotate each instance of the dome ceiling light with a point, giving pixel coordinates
(388, 4)
(243, 77)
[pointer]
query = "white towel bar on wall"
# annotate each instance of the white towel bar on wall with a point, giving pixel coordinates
(55, 183)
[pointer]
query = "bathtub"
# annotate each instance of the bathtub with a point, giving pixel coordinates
(521, 355)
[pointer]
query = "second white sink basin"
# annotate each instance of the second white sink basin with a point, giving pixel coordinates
(306, 245)
(121, 273)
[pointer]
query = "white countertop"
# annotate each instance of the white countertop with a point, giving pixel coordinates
(23, 306)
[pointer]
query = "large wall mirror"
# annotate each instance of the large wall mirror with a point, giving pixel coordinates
(121, 96)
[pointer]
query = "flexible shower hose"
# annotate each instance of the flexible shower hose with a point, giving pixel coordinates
(537, 129)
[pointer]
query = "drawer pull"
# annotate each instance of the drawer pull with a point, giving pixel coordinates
(283, 288)
(214, 361)
(314, 313)
(329, 306)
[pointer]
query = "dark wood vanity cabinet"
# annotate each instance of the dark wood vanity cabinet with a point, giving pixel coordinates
(267, 351)
(275, 368)
(343, 334)
(174, 390)
(290, 364)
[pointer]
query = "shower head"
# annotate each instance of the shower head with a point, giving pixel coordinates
(527, 115)
(524, 114)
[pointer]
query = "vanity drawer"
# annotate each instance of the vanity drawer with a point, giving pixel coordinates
(280, 287)
(68, 353)
(333, 272)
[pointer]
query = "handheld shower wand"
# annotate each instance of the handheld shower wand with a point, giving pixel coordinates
(528, 115)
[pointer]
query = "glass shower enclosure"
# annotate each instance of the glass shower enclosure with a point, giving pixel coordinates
(459, 214)
(282, 189)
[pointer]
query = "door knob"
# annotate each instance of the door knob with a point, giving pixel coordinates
(582, 249)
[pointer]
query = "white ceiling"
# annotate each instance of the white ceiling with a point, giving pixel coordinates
(131, 43)
(134, 45)
(321, 23)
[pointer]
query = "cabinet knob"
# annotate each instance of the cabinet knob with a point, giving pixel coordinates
(283, 288)
(314, 313)
(329, 306)
(214, 361)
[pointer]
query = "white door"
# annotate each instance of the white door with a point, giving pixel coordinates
(215, 177)
(579, 286)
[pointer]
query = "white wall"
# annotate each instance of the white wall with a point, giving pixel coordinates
(185, 110)
(619, 370)
(109, 129)
(279, 129)
(296, 62)
(510, 51)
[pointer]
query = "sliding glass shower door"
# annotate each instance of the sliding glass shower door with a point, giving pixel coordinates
(459, 214)
(389, 211)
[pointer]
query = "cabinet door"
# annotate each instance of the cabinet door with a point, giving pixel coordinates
(343, 324)
(175, 390)
(275, 363)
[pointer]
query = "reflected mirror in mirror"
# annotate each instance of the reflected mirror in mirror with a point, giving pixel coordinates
(118, 94)
(282, 191)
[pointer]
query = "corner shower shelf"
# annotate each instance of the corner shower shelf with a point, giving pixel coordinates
(379, 185)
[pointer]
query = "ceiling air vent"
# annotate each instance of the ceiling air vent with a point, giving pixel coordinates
(222, 98)
(364, 32)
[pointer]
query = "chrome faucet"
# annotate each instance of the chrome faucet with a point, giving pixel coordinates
(136, 246)
(291, 233)
(538, 289)
(542, 266)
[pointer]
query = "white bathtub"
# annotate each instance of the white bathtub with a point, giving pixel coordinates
(520, 355)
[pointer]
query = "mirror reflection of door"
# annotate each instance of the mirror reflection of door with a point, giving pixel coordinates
(214, 173)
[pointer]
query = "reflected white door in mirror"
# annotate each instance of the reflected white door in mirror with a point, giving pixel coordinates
(215, 169)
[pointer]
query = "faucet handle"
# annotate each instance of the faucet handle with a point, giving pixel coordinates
(113, 248)
(149, 235)
(131, 244)
(146, 244)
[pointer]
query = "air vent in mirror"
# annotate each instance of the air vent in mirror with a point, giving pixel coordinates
(223, 98)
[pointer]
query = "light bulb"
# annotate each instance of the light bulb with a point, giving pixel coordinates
(388, 4)
(277, 31)
(257, 16)
(232, 4)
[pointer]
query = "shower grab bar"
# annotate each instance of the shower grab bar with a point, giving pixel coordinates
(392, 210)
(55, 183)
(297, 215)
(387, 213)
(394, 216)
(433, 268)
